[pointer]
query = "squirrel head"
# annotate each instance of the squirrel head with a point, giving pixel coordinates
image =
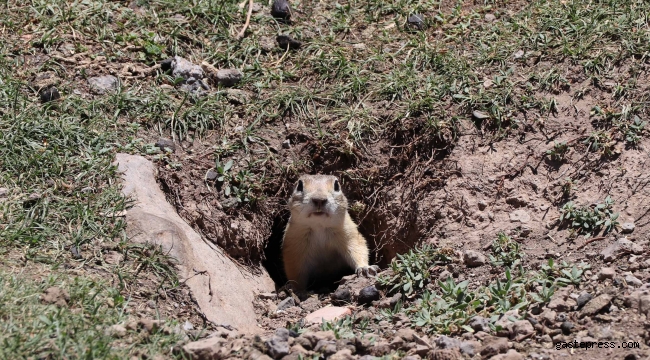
(318, 200)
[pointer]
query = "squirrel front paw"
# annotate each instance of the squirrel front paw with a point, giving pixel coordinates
(367, 271)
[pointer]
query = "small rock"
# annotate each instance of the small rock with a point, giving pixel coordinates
(103, 84)
(627, 228)
(286, 303)
(204, 349)
(49, 93)
(408, 334)
(521, 330)
(480, 115)
(644, 305)
(493, 346)
(397, 343)
(566, 327)
(519, 54)
(606, 273)
(444, 342)
(470, 348)
(479, 323)
(286, 41)
(229, 77)
(490, 17)
(183, 68)
(165, 145)
(55, 295)
(367, 295)
(596, 305)
(341, 296)
(445, 354)
(482, 205)
(187, 326)
(473, 258)
(512, 354)
(345, 354)
(519, 215)
(277, 346)
(76, 252)
(416, 22)
(151, 304)
(633, 280)
(488, 83)
(281, 10)
(583, 299)
(212, 175)
(328, 314)
(286, 144)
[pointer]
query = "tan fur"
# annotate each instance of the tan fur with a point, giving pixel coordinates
(313, 241)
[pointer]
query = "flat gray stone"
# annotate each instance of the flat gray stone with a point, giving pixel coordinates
(103, 84)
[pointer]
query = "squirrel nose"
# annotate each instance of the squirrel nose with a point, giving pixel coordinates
(319, 202)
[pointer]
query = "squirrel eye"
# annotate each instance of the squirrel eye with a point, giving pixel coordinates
(337, 186)
(299, 187)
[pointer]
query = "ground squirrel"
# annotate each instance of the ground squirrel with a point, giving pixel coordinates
(321, 242)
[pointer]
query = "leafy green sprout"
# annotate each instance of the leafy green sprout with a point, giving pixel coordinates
(558, 152)
(590, 221)
(505, 251)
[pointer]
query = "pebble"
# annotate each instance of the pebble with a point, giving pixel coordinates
(606, 273)
(627, 228)
(480, 115)
(416, 21)
(281, 10)
(633, 280)
(48, 94)
(76, 252)
(341, 296)
(583, 299)
(229, 77)
(596, 305)
(473, 258)
(212, 175)
(566, 327)
(286, 41)
(163, 144)
(183, 68)
(368, 295)
(490, 17)
(479, 323)
(444, 342)
(103, 84)
(286, 303)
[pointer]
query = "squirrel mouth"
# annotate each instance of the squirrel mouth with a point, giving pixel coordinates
(319, 213)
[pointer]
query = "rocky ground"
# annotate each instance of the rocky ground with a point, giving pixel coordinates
(500, 147)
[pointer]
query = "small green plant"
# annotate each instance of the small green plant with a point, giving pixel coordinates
(633, 131)
(590, 221)
(410, 271)
(506, 252)
(600, 141)
(558, 152)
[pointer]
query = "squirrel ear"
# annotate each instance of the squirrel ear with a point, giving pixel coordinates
(299, 186)
(337, 186)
